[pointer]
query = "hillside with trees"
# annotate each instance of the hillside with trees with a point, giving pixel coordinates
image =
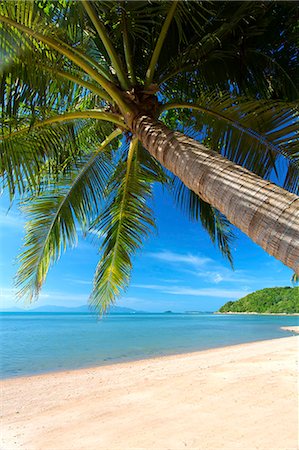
(270, 300)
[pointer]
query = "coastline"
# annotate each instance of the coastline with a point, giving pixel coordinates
(255, 314)
(224, 398)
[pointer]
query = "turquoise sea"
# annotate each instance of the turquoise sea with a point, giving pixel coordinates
(34, 343)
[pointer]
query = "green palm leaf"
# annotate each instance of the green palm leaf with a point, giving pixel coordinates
(215, 223)
(53, 217)
(259, 135)
(27, 156)
(65, 50)
(211, 34)
(233, 51)
(124, 222)
(63, 20)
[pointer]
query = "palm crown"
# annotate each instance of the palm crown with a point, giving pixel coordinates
(74, 76)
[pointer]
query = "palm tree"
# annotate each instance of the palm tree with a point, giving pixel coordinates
(102, 99)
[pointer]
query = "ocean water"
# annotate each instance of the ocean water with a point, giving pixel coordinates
(34, 343)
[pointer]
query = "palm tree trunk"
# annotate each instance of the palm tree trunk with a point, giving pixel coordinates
(266, 213)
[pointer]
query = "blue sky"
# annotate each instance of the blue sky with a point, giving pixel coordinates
(178, 269)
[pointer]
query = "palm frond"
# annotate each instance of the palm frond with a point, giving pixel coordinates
(215, 223)
(242, 71)
(295, 279)
(127, 44)
(124, 222)
(159, 44)
(28, 154)
(66, 51)
(23, 159)
(245, 46)
(211, 36)
(63, 20)
(54, 215)
(107, 42)
(51, 78)
(256, 134)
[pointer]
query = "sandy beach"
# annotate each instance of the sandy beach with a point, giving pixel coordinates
(293, 329)
(241, 397)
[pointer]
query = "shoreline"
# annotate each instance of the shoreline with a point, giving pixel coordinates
(222, 398)
(289, 329)
(254, 313)
(189, 313)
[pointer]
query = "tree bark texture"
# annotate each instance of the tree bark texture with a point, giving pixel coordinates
(266, 213)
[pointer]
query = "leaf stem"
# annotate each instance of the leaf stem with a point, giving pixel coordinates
(132, 149)
(127, 49)
(41, 278)
(88, 114)
(102, 32)
(67, 51)
(155, 56)
(91, 87)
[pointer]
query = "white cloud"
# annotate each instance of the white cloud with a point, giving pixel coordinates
(79, 281)
(189, 259)
(61, 297)
(218, 278)
(222, 274)
(198, 292)
(11, 219)
(9, 298)
(202, 266)
(7, 293)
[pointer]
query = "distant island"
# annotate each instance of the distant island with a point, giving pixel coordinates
(277, 300)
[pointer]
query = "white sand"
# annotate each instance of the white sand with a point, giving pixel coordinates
(241, 397)
(293, 329)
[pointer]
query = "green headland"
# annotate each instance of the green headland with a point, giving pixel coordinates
(277, 300)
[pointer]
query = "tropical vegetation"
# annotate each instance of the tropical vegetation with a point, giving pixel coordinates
(100, 100)
(284, 300)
